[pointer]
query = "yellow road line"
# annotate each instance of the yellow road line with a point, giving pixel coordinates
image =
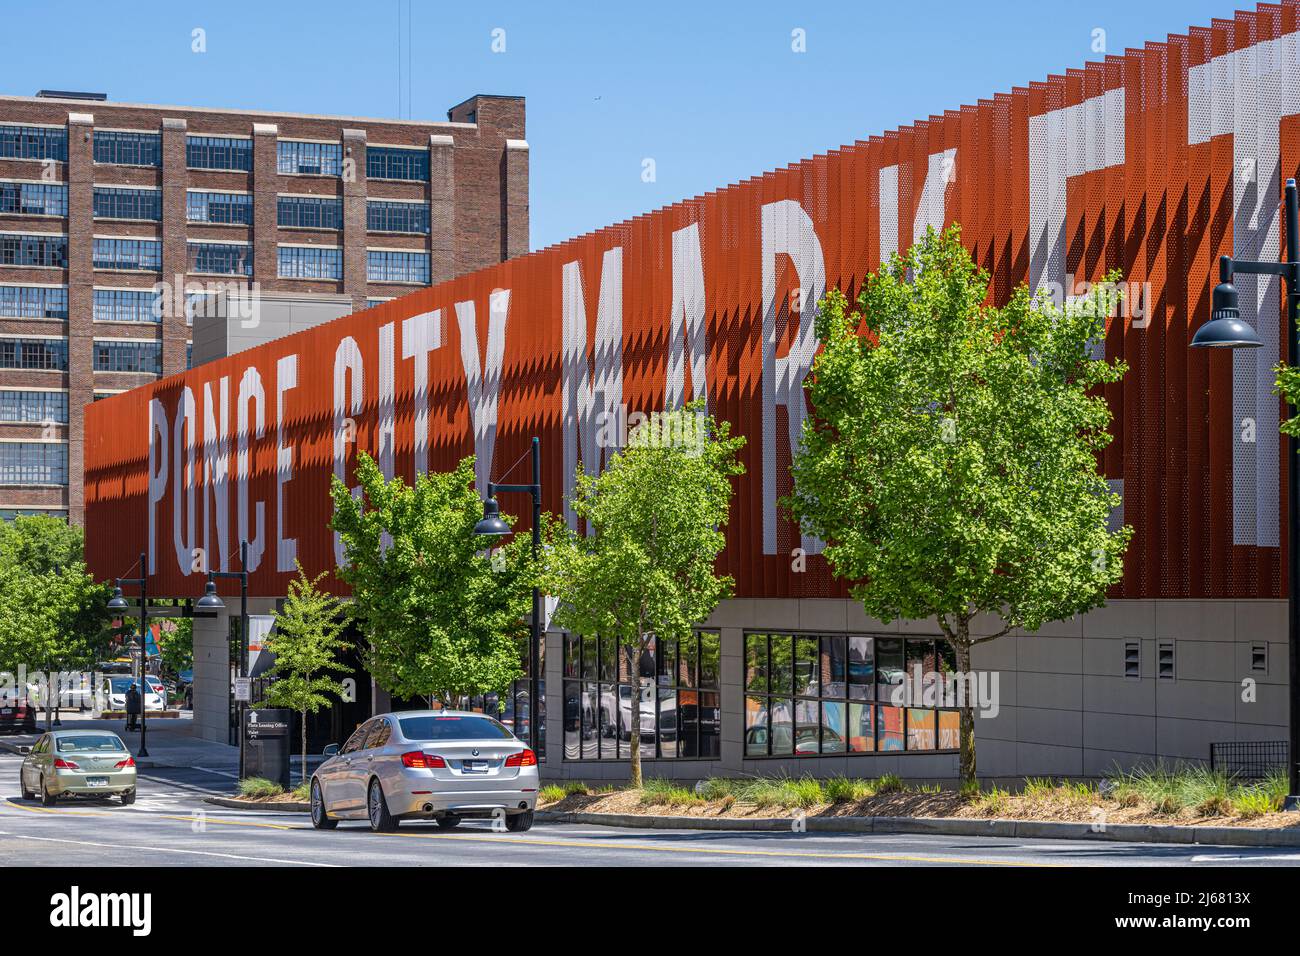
(724, 851)
(153, 816)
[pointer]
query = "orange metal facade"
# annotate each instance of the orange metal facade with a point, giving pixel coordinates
(1154, 162)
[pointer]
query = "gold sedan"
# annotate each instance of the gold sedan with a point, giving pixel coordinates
(78, 763)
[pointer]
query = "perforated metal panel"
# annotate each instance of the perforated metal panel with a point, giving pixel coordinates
(1154, 162)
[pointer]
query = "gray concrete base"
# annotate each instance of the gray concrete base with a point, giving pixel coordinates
(948, 826)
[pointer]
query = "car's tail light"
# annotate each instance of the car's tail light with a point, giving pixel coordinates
(123, 764)
(525, 758)
(61, 764)
(419, 760)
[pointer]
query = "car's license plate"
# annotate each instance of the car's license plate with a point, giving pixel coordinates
(475, 766)
(6, 711)
(97, 781)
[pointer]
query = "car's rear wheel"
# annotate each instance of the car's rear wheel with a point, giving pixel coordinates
(320, 818)
(448, 821)
(128, 798)
(519, 822)
(381, 821)
(47, 798)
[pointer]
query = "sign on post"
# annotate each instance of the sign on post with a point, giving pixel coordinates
(243, 690)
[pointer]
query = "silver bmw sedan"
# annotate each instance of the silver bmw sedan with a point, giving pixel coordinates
(443, 765)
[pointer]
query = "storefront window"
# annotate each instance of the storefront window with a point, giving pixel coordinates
(830, 694)
(677, 686)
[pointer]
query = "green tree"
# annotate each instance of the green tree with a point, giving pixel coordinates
(443, 619)
(53, 616)
(654, 520)
(176, 644)
(306, 641)
(951, 463)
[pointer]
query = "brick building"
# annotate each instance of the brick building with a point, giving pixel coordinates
(118, 221)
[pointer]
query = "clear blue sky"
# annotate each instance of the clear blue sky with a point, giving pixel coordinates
(710, 90)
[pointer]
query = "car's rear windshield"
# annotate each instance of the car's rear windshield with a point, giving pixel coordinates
(452, 727)
(90, 743)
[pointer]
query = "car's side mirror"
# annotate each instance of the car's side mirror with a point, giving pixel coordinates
(24, 750)
(331, 750)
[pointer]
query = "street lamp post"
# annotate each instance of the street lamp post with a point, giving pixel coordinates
(1226, 330)
(211, 603)
(118, 603)
(491, 526)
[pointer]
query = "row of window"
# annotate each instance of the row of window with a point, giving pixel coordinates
(33, 250)
(112, 355)
(309, 262)
(145, 255)
(213, 152)
(674, 683)
(113, 202)
(33, 302)
(293, 212)
(109, 355)
(33, 463)
(831, 693)
(9, 514)
(33, 406)
(34, 199)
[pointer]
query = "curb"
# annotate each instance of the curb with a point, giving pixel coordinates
(232, 804)
(948, 826)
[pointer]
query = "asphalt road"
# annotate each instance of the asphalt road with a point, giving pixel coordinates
(170, 825)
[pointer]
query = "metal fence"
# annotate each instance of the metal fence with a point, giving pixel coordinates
(1248, 759)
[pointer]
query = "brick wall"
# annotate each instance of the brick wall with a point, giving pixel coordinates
(477, 194)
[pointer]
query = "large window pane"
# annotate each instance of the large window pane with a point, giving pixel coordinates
(710, 714)
(756, 731)
(572, 719)
(807, 731)
(833, 727)
(807, 667)
(949, 730)
(782, 725)
(669, 723)
(862, 727)
(710, 655)
(590, 714)
(862, 668)
(782, 663)
(920, 729)
(889, 730)
(756, 663)
(889, 667)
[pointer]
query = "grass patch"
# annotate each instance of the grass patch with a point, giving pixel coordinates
(1205, 792)
(302, 791)
(666, 793)
(258, 787)
(565, 788)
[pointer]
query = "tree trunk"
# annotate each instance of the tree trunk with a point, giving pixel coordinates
(304, 748)
(967, 759)
(634, 731)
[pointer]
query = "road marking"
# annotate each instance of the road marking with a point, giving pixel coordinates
(154, 815)
(1220, 857)
(723, 851)
(219, 773)
(165, 849)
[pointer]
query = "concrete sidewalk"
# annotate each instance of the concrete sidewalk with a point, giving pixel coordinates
(170, 742)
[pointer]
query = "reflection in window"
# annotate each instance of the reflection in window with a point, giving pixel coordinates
(829, 694)
(680, 709)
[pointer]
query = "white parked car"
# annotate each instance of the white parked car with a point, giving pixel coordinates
(111, 695)
(441, 765)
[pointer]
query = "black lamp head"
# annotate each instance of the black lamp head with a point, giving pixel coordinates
(210, 603)
(491, 525)
(117, 602)
(1225, 330)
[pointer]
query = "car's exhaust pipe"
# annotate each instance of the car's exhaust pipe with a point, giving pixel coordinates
(428, 808)
(523, 805)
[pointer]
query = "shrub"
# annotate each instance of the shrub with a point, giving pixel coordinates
(844, 790)
(889, 783)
